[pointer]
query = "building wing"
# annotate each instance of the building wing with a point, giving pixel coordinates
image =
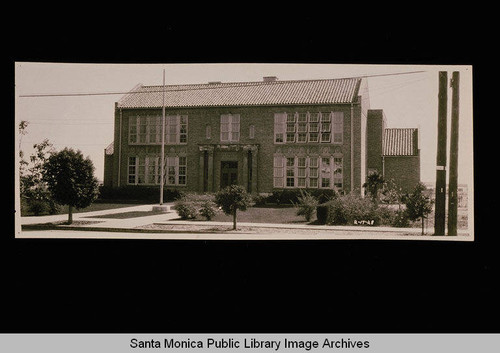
(400, 142)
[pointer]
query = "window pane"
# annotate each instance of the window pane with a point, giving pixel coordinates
(290, 161)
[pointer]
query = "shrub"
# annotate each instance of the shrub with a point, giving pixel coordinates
(401, 219)
(38, 207)
(349, 208)
(306, 206)
(186, 209)
(208, 209)
(191, 206)
(260, 199)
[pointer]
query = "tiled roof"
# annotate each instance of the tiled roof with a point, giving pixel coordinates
(400, 142)
(326, 91)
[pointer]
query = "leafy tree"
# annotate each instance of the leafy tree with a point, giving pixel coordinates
(70, 179)
(374, 182)
(418, 206)
(231, 199)
(33, 188)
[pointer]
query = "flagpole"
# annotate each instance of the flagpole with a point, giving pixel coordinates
(162, 158)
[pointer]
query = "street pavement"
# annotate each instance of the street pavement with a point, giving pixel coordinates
(130, 228)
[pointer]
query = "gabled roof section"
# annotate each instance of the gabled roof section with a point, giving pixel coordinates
(326, 91)
(400, 142)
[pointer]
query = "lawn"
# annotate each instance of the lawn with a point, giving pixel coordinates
(263, 214)
(96, 206)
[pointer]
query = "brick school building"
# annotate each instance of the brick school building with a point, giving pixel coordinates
(265, 135)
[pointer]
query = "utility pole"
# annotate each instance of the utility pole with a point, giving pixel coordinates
(162, 158)
(453, 183)
(440, 213)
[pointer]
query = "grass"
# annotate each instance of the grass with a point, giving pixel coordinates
(97, 206)
(131, 214)
(275, 214)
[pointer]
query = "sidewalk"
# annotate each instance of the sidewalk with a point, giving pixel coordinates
(129, 226)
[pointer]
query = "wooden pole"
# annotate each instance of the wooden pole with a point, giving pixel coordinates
(440, 213)
(162, 158)
(453, 182)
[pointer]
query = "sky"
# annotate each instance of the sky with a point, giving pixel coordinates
(85, 123)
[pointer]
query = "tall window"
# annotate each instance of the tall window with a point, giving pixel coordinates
(338, 173)
(230, 127)
(338, 127)
(290, 172)
(147, 129)
(278, 171)
(251, 132)
(313, 172)
(208, 132)
(279, 127)
(176, 170)
(290, 127)
(326, 172)
(301, 127)
(326, 126)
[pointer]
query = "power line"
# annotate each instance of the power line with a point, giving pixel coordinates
(205, 87)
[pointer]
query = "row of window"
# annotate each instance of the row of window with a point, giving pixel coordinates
(309, 127)
(289, 172)
(324, 127)
(147, 170)
(308, 172)
(148, 129)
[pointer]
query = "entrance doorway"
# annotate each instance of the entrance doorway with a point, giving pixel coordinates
(229, 173)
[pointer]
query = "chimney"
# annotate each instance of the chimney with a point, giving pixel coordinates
(270, 79)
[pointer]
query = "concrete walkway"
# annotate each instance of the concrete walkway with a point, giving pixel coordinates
(131, 228)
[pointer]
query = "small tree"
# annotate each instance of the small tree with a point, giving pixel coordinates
(231, 199)
(70, 179)
(374, 182)
(418, 206)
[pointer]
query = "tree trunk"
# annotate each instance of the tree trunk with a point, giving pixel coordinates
(234, 219)
(423, 225)
(70, 214)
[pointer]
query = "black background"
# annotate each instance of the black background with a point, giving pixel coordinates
(110, 286)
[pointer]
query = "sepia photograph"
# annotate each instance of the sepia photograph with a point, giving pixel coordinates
(244, 151)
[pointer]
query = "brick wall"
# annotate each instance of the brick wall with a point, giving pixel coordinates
(374, 136)
(404, 170)
(263, 120)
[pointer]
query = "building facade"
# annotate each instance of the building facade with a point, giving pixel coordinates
(262, 135)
